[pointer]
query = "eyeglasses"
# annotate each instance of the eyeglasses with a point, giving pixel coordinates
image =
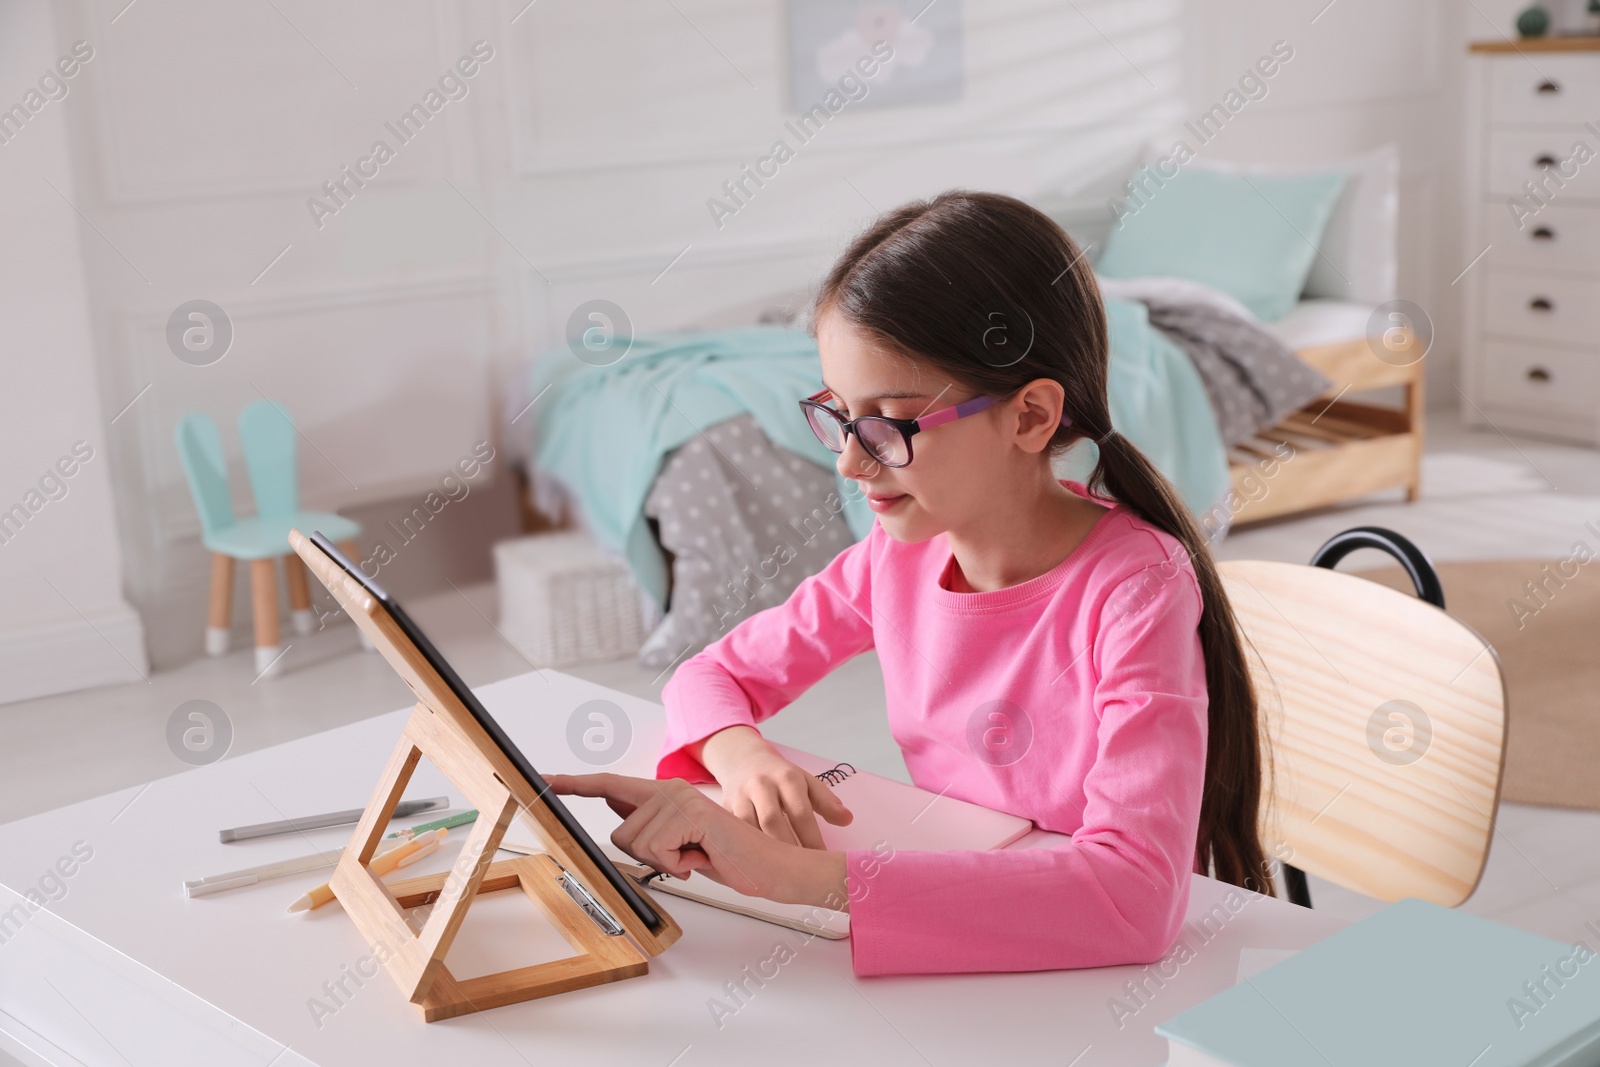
(888, 441)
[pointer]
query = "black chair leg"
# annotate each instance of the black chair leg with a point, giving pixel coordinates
(1299, 891)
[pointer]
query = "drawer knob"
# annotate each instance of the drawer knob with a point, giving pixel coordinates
(1538, 374)
(1544, 233)
(1547, 88)
(1541, 303)
(1545, 160)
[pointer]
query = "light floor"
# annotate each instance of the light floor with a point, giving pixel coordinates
(1485, 496)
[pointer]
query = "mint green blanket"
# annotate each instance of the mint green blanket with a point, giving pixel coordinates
(604, 431)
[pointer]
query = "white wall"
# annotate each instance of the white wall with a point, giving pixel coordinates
(60, 573)
(200, 133)
(1365, 73)
(578, 166)
(618, 130)
(1060, 101)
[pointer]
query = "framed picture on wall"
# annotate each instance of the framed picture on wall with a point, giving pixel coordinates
(829, 39)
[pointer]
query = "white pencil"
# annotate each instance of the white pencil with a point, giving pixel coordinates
(214, 883)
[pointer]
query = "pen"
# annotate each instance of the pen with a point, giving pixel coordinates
(214, 883)
(449, 822)
(332, 818)
(401, 855)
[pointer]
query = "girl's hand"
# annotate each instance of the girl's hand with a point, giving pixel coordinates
(769, 792)
(672, 826)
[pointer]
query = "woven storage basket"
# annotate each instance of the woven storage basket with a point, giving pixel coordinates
(565, 600)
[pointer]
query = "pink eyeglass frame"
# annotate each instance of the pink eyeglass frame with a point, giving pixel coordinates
(907, 427)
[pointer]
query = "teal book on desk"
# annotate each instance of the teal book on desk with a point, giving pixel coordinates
(1416, 984)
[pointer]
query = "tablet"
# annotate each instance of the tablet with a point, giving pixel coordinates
(619, 881)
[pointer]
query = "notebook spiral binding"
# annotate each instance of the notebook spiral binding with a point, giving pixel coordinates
(836, 774)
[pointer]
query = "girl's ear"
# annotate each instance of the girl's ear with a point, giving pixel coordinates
(1039, 406)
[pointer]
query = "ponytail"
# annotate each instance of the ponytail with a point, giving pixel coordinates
(1228, 842)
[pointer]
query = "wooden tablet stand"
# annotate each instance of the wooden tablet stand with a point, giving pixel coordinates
(443, 729)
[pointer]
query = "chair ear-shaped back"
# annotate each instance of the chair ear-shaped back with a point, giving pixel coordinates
(267, 434)
(1385, 719)
(206, 470)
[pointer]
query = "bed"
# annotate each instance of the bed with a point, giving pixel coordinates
(688, 461)
(704, 549)
(1343, 448)
(1364, 433)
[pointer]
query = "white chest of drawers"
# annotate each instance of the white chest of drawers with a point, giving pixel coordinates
(1531, 350)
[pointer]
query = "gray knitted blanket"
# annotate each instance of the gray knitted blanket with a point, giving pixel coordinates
(1252, 379)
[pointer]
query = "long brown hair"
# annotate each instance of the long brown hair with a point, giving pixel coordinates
(992, 292)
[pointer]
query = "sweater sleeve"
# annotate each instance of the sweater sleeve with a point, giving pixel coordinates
(765, 662)
(1116, 893)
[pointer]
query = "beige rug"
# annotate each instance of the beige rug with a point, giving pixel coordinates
(1549, 650)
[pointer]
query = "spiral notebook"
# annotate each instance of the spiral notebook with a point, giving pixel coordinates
(902, 816)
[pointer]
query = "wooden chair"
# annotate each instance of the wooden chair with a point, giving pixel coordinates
(268, 439)
(1385, 719)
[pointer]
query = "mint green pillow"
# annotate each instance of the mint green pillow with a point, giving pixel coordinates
(1254, 236)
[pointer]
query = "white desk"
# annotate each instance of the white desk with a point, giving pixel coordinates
(123, 969)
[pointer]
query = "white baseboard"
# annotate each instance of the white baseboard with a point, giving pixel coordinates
(79, 653)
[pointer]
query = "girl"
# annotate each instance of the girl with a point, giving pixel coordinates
(1058, 650)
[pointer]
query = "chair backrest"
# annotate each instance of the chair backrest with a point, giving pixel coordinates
(267, 435)
(1386, 723)
(206, 469)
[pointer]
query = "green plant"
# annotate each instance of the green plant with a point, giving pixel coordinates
(1533, 22)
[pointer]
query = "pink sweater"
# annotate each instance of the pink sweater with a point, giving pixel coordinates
(1096, 672)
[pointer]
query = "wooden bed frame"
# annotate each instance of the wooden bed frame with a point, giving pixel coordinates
(1341, 448)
